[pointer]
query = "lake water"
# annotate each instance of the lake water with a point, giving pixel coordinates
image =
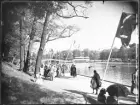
(121, 73)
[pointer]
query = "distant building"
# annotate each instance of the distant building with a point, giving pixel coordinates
(81, 59)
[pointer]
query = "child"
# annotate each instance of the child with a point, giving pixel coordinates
(101, 97)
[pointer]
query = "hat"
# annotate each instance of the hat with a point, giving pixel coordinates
(103, 91)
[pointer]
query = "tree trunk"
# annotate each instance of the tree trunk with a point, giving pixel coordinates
(28, 57)
(21, 57)
(42, 44)
(21, 45)
(24, 55)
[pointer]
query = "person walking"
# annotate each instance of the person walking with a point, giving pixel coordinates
(71, 70)
(54, 69)
(133, 81)
(97, 79)
(63, 69)
(42, 70)
(58, 70)
(74, 70)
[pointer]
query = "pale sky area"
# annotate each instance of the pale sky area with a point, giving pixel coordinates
(98, 31)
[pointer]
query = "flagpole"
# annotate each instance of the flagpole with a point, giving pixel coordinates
(111, 49)
(109, 57)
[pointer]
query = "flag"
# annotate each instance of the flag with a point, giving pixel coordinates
(126, 26)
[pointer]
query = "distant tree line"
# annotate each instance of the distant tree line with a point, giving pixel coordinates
(71, 54)
(122, 53)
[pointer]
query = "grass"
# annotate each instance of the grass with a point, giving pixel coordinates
(19, 90)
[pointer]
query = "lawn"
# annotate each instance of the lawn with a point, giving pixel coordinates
(19, 89)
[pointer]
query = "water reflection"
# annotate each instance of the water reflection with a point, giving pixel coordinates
(120, 73)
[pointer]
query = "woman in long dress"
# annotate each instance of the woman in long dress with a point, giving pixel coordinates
(95, 82)
(42, 70)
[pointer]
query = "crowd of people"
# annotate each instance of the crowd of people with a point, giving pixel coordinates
(58, 70)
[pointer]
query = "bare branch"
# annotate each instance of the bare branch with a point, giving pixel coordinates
(71, 4)
(61, 34)
(80, 6)
(68, 17)
(59, 37)
(75, 14)
(74, 8)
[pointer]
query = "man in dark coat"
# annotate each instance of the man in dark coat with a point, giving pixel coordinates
(96, 76)
(71, 70)
(133, 81)
(74, 71)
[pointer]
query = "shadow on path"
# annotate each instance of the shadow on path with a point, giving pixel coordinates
(88, 98)
(128, 98)
(64, 77)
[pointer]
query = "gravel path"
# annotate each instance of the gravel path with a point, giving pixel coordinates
(80, 86)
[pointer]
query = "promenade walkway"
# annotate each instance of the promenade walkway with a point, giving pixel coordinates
(80, 86)
(76, 90)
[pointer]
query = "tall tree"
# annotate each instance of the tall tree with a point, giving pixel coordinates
(31, 36)
(9, 16)
(53, 7)
(12, 14)
(36, 13)
(21, 45)
(24, 31)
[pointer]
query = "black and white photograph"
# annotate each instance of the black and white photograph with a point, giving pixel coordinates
(69, 52)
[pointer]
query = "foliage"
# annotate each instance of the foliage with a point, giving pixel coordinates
(123, 53)
(11, 35)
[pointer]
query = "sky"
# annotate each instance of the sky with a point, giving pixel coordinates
(98, 31)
